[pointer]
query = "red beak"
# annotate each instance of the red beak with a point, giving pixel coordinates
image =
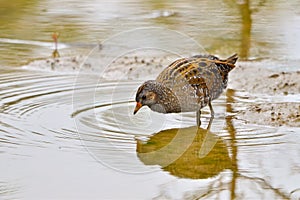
(137, 107)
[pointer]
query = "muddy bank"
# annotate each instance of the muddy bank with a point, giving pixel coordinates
(250, 78)
(257, 81)
(272, 114)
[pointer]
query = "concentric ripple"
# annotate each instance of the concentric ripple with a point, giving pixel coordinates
(32, 106)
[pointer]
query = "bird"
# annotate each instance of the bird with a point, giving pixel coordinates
(186, 85)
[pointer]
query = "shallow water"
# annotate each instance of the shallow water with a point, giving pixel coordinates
(255, 30)
(58, 142)
(66, 135)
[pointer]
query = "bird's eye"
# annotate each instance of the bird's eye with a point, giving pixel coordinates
(143, 97)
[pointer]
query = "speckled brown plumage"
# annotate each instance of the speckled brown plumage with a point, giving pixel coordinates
(188, 84)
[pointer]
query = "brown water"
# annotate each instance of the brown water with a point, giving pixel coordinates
(66, 135)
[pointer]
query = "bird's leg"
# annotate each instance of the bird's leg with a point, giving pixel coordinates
(199, 118)
(212, 114)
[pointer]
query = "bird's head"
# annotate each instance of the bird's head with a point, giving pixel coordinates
(146, 95)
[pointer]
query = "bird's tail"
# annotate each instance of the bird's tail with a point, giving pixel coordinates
(232, 59)
(228, 64)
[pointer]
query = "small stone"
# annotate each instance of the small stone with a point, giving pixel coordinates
(272, 113)
(274, 76)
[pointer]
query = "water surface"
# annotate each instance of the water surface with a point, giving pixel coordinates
(69, 135)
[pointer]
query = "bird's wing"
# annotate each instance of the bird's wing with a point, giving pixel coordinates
(168, 73)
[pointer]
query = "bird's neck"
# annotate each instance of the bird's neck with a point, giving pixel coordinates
(167, 100)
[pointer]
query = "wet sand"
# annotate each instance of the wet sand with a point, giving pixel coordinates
(264, 82)
(252, 78)
(249, 77)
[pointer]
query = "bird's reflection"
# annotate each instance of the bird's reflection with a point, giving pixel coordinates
(191, 152)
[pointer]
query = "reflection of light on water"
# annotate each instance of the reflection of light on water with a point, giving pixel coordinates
(31, 42)
(290, 41)
(274, 24)
(161, 13)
